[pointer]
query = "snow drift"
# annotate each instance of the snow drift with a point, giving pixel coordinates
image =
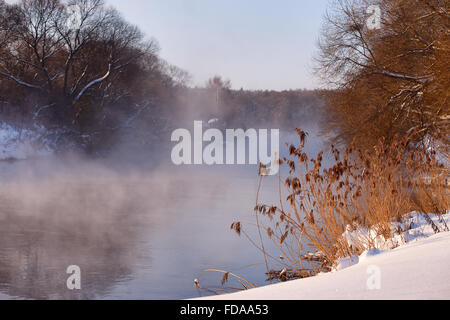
(416, 268)
(22, 143)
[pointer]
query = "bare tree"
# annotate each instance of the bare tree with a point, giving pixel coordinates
(73, 67)
(388, 80)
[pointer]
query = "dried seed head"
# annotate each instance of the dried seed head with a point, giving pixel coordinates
(225, 277)
(236, 226)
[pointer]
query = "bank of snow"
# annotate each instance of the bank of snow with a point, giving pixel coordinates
(418, 269)
(22, 143)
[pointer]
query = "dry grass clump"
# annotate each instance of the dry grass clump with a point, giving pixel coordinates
(368, 189)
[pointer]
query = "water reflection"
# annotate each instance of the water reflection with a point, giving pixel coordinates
(134, 234)
(47, 226)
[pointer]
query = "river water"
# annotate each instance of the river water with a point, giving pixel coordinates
(135, 234)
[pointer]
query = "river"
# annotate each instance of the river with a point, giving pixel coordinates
(135, 234)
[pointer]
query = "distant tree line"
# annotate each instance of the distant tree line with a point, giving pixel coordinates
(257, 108)
(93, 77)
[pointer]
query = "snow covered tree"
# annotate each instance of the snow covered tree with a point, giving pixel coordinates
(77, 59)
(389, 77)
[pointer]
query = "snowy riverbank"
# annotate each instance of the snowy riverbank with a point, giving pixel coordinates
(22, 143)
(418, 269)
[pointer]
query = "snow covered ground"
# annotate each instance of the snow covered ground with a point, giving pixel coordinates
(418, 269)
(19, 144)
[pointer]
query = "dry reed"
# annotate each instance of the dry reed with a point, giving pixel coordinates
(368, 189)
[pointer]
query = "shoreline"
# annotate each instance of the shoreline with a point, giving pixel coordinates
(416, 270)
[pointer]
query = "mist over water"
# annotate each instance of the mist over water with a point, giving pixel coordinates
(136, 231)
(137, 225)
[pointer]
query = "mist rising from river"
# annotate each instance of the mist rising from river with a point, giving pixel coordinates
(135, 231)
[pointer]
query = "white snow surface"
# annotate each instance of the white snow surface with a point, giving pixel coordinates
(418, 267)
(20, 144)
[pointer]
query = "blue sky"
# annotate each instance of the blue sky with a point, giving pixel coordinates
(257, 44)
